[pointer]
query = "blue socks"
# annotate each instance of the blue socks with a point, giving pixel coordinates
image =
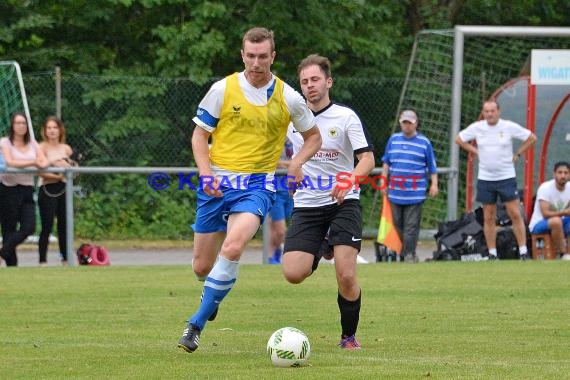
(217, 285)
(276, 259)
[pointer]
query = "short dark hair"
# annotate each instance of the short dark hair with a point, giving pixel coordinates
(318, 60)
(561, 163)
(257, 35)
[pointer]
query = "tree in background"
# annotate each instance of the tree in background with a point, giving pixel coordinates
(196, 39)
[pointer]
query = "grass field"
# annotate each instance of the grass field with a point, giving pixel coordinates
(499, 320)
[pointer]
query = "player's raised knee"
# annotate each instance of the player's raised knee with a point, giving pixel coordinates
(201, 269)
(295, 275)
(232, 249)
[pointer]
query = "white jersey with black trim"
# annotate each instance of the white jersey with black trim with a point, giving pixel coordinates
(343, 135)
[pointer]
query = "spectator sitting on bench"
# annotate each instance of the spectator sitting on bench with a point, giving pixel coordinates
(552, 209)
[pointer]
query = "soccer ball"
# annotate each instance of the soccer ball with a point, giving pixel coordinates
(288, 347)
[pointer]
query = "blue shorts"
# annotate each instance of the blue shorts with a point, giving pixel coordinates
(488, 191)
(283, 206)
(212, 213)
(542, 226)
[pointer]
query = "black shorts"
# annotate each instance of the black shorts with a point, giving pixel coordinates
(309, 226)
(489, 191)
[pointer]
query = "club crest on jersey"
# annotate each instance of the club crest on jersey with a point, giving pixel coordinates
(237, 109)
(333, 132)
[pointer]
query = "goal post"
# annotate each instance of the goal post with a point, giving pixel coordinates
(463, 33)
(451, 73)
(12, 95)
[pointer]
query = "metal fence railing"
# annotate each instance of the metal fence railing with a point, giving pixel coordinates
(71, 172)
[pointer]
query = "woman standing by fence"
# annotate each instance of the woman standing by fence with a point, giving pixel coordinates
(51, 198)
(18, 209)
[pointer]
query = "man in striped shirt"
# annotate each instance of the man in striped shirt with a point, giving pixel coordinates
(407, 160)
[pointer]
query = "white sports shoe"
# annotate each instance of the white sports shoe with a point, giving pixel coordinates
(566, 257)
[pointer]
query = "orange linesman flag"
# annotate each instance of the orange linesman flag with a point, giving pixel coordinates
(387, 233)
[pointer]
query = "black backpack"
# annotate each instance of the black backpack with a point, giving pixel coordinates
(459, 237)
(507, 246)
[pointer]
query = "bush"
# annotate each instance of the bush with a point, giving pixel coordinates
(125, 207)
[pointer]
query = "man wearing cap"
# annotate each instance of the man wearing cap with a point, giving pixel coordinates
(407, 160)
(496, 176)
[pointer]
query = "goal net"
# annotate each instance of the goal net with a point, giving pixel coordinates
(12, 95)
(490, 59)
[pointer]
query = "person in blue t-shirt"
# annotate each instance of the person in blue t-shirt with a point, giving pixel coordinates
(407, 160)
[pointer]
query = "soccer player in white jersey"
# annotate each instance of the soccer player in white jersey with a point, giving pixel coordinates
(247, 115)
(496, 176)
(329, 195)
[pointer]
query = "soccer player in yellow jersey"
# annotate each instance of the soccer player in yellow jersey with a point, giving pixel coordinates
(246, 115)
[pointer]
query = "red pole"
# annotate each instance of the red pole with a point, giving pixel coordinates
(529, 163)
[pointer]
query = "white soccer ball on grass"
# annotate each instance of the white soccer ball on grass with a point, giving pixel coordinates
(288, 347)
